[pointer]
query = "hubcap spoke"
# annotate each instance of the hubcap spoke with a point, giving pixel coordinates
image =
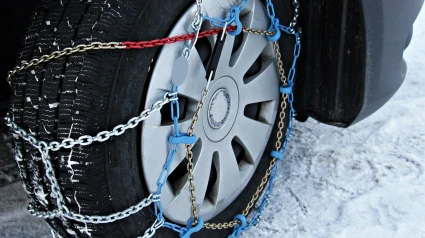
(225, 56)
(246, 55)
(228, 175)
(195, 80)
(207, 208)
(265, 85)
(252, 44)
(201, 171)
(253, 138)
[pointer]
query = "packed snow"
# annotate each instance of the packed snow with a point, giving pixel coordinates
(364, 181)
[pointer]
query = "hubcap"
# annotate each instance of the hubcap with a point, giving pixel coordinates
(234, 126)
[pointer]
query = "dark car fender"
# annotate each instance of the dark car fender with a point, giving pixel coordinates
(351, 62)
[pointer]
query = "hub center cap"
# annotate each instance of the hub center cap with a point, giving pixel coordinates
(223, 106)
(219, 108)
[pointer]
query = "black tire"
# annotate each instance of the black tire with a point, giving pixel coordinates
(95, 91)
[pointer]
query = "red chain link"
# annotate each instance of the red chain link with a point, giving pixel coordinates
(174, 39)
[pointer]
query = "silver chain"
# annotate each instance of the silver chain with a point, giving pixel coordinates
(45, 148)
(152, 229)
(197, 20)
(115, 216)
(196, 27)
(50, 174)
(294, 21)
(95, 219)
(87, 139)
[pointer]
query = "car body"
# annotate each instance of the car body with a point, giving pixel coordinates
(352, 57)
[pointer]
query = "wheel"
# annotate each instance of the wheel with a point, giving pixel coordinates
(88, 92)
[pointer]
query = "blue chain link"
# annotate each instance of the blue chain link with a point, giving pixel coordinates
(175, 227)
(162, 179)
(176, 139)
(275, 24)
(287, 89)
(232, 18)
(175, 111)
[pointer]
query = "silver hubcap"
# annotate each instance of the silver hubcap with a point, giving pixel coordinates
(234, 126)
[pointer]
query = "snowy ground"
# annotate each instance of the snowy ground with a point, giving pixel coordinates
(365, 181)
(15, 222)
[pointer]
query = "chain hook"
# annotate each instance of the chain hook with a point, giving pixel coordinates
(189, 230)
(236, 12)
(237, 229)
(274, 26)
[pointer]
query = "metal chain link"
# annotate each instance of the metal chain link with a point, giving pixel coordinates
(197, 20)
(258, 32)
(87, 139)
(196, 27)
(95, 219)
(152, 229)
(58, 54)
(54, 185)
(294, 21)
(115, 216)
(221, 225)
(45, 148)
(189, 153)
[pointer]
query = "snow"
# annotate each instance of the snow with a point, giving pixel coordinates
(15, 221)
(53, 105)
(41, 196)
(364, 181)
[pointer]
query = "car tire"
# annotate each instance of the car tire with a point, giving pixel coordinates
(84, 93)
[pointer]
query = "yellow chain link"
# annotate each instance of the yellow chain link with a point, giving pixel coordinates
(258, 32)
(57, 54)
(281, 125)
(189, 155)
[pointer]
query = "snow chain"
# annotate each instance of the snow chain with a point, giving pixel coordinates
(240, 222)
